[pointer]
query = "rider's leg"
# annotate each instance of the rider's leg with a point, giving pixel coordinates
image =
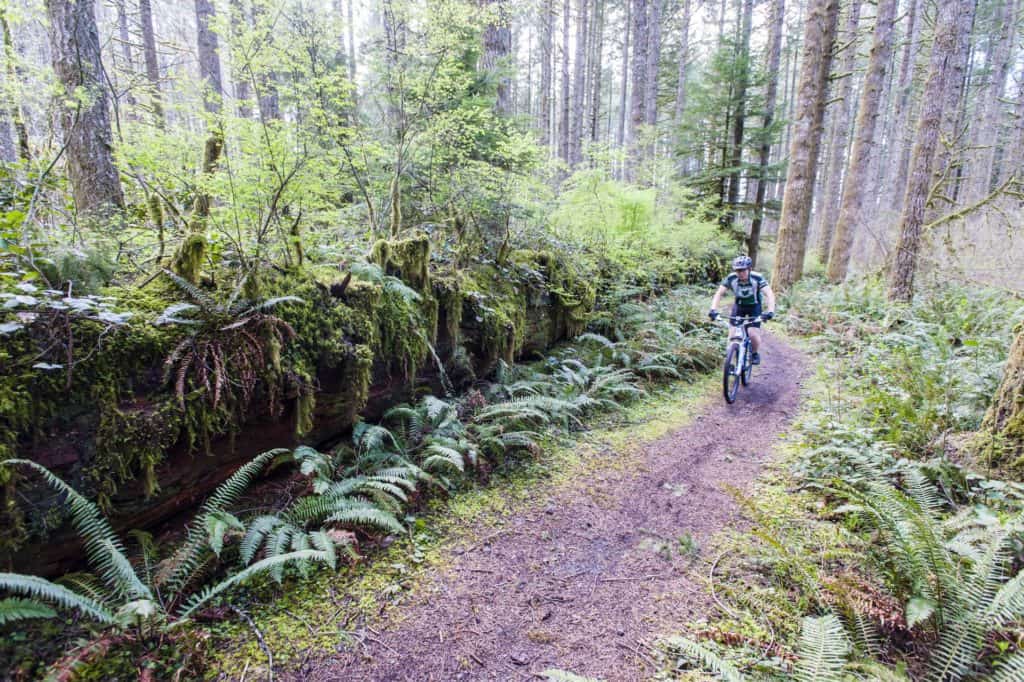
(755, 338)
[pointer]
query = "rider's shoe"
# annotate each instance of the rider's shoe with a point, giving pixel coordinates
(756, 360)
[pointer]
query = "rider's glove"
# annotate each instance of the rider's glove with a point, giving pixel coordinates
(767, 316)
(713, 314)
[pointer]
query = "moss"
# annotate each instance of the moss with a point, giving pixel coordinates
(188, 261)
(131, 440)
(498, 306)
(572, 288)
(305, 403)
(408, 259)
(448, 293)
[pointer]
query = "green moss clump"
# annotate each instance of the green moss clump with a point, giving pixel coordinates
(408, 259)
(448, 293)
(498, 304)
(130, 441)
(188, 261)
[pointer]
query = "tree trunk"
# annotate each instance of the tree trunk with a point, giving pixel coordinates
(497, 51)
(126, 48)
(952, 22)
(152, 65)
(768, 117)
(653, 60)
(75, 47)
(946, 167)
(579, 89)
(1004, 421)
(563, 132)
(900, 156)
(350, 27)
(14, 75)
(546, 43)
(620, 135)
(1013, 164)
(209, 59)
(240, 72)
(267, 96)
(987, 122)
(684, 56)
(819, 36)
(841, 113)
(596, 54)
(858, 170)
(641, 45)
(743, 58)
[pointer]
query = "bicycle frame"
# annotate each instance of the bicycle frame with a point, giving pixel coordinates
(737, 368)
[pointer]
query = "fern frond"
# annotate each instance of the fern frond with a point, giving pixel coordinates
(262, 566)
(41, 589)
(1010, 669)
(258, 530)
(366, 516)
(823, 648)
(14, 608)
(188, 558)
(440, 456)
(706, 658)
(102, 547)
(876, 672)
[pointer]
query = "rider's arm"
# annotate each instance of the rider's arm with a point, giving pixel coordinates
(769, 298)
(718, 297)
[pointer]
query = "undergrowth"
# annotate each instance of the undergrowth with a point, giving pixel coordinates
(882, 547)
(340, 501)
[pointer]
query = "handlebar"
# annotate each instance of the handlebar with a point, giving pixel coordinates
(740, 321)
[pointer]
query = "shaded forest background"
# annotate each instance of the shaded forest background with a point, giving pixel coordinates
(269, 128)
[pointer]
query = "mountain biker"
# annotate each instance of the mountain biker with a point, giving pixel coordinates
(752, 295)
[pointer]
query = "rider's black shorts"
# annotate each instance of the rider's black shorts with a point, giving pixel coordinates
(746, 311)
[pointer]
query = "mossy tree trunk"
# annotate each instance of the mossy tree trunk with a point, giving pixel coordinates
(1004, 422)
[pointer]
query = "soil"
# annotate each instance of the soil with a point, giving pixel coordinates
(590, 573)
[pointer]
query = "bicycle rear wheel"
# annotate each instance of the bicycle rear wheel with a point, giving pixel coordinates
(731, 373)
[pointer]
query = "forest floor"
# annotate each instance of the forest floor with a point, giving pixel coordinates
(587, 571)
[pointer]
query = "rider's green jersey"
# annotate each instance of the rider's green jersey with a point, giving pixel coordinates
(749, 292)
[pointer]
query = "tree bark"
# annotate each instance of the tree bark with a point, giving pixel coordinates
(126, 47)
(987, 123)
(496, 54)
(859, 167)
(740, 113)
(579, 89)
(209, 59)
(17, 116)
(241, 74)
(841, 113)
(75, 46)
(266, 81)
(768, 117)
(350, 27)
(818, 39)
(900, 156)
(641, 45)
(563, 132)
(596, 54)
(152, 64)
(546, 43)
(1004, 421)
(1013, 164)
(684, 56)
(951, 23)
(653, 60)
(620, 135)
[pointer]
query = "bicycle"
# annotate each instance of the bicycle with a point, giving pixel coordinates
(738, 366)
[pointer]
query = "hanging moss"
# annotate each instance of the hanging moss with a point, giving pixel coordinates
(305, 403)
(448, 293)
(498, 306)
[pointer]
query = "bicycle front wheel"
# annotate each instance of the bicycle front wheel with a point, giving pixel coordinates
(731, 373)
(748, 366)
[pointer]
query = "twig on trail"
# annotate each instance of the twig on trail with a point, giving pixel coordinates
(481, 663)
(711, 578)
(245, 670)
(475, 570)
(634, 579)
(641, 655)
(312, 632)
(381, 642)
(485, 540)
(259, 639)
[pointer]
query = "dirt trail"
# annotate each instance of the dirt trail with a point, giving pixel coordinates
(577, 579)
